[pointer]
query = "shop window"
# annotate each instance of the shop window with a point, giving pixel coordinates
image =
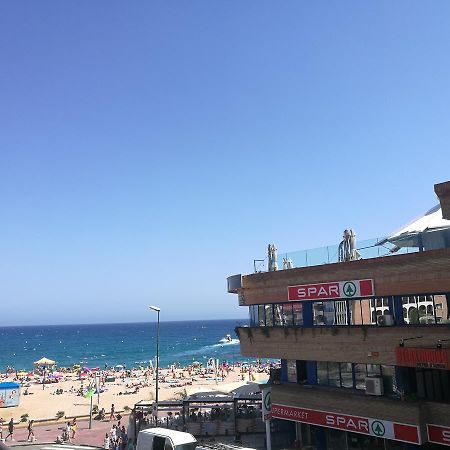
(278, 317)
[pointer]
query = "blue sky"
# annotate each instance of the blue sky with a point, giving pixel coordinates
(150, 149)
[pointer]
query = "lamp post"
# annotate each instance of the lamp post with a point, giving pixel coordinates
(155, 308)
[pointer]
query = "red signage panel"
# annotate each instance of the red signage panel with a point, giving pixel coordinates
(331, 290)
(364, 425)
(439, 434)
(434, 358)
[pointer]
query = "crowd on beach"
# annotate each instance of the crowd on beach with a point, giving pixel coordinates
(120, 385)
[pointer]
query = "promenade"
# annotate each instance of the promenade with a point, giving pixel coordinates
(46, 434)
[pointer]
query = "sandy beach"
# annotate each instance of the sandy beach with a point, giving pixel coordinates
(124, 391)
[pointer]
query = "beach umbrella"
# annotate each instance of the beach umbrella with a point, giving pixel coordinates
(44, 362)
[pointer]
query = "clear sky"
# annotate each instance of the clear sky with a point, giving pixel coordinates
(149, 149)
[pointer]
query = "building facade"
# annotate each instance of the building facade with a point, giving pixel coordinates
(364, 348)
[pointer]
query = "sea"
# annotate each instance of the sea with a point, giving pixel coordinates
(120, 344)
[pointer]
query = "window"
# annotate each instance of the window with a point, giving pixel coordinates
(334, 377)
(269, 316)
(360, 376)
(262, 315)
(297, 310)
(322, 372)
(346, 375)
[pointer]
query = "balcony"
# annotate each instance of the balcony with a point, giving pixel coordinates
(357, 344)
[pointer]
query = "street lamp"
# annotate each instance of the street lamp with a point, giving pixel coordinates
(155, 308)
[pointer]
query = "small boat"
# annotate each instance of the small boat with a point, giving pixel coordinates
(228, 338)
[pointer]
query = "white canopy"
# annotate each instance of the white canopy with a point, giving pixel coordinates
(429, 231)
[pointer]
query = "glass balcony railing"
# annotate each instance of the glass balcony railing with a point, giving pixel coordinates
(369, 248)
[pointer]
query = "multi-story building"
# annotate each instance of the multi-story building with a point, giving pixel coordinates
(364, 348)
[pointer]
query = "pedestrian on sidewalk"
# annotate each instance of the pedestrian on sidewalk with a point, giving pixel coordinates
(1, 429)
(74, 427)
(10, 429)
(30, 431)
(112, 415)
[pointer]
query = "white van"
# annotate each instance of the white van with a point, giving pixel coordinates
(165, 439)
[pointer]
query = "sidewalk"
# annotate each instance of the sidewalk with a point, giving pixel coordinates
(46, 434)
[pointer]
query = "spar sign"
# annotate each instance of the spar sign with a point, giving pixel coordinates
(363, 425)
(438, 434)
(267, 403)
(332, 290)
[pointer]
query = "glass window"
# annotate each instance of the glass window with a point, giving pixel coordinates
(373, 370)
(360, 376)
(389, 384)
(334, 378)
(287, 315)
(329, 313)
(262, 315)
(298, 314)
(278, 315)
(322, 373)
(346, 375)
(318, 313)
(269, 316)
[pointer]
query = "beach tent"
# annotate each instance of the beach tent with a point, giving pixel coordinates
(44, 362)
(9, 394)
(428, 232)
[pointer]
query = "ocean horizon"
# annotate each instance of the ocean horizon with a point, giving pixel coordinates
(127, 344)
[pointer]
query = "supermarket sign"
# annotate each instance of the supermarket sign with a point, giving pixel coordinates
(363, 425)
(438, 434)
(332, 290)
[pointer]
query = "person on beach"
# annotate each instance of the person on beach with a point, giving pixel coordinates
(74, 427)
(10, 430)
(112, 415)
(30, 437)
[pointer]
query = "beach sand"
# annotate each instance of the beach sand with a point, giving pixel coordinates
(41, 404)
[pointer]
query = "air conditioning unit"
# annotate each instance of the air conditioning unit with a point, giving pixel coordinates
(386, 320)
(374, 386)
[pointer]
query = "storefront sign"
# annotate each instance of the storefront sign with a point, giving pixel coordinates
(267, 403)
(432, 358)
(364, 425)
(439, 434)
(329, 291)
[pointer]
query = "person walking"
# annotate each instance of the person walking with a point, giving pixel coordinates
(74, 427)
(1, 429)
(10, 430)
(112, 415)
(30, 431)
